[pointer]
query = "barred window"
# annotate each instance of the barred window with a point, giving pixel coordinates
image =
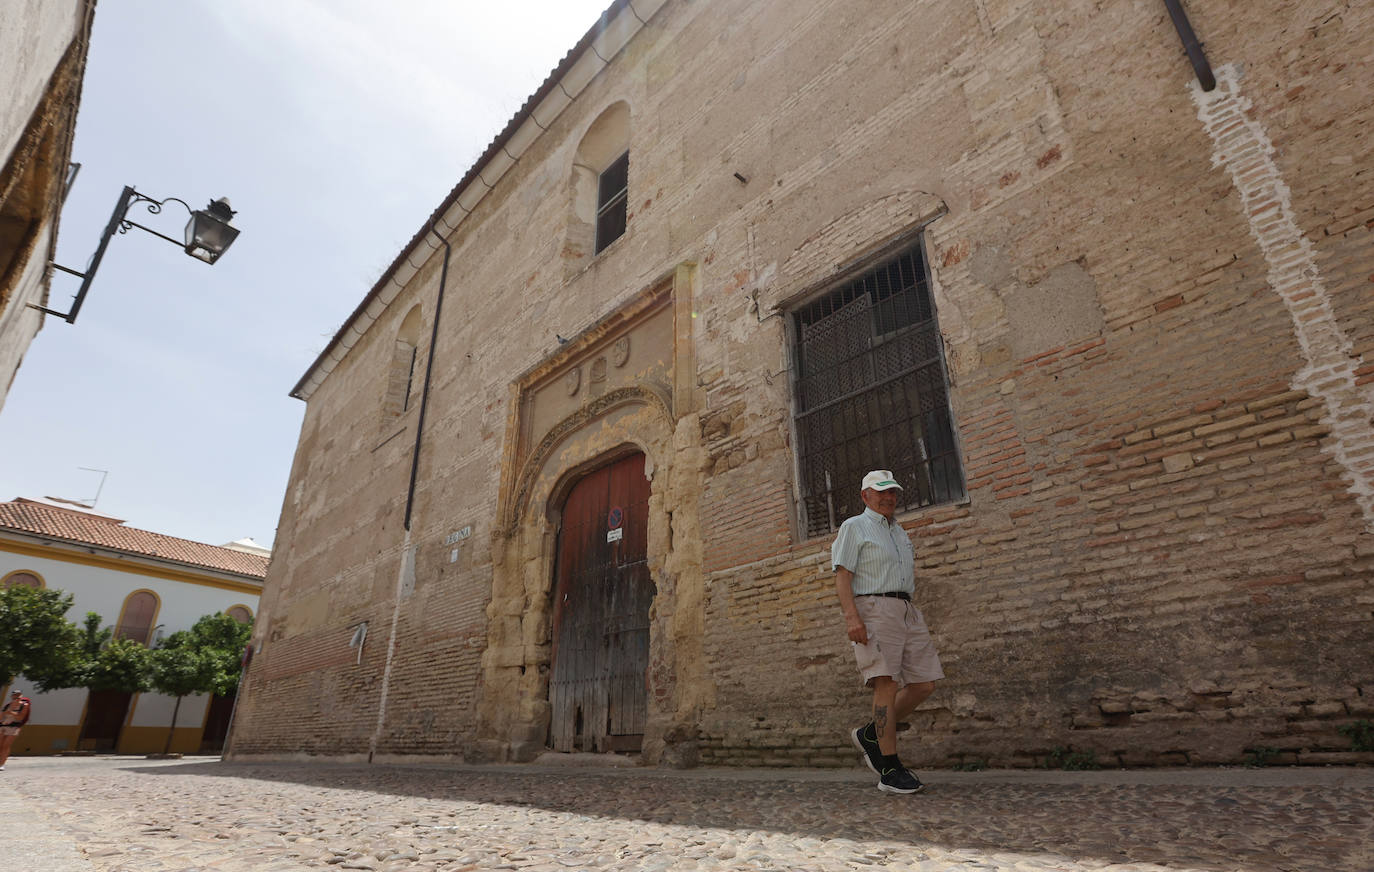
(871, 393)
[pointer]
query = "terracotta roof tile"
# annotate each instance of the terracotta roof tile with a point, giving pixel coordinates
(26, 516)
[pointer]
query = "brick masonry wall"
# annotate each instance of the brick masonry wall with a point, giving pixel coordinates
(1163, 541)
(1156, 307)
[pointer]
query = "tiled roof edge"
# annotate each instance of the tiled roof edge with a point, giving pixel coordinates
(203, 567)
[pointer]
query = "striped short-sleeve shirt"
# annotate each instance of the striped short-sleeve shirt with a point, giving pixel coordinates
(879, 554)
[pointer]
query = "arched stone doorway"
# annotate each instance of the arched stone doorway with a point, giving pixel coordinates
(602, 593)
(608, 456)
(623, 387)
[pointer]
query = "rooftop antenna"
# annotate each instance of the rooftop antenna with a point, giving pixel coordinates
(95, 499)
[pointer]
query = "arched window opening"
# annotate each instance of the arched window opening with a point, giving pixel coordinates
(242, 614)
(24, 577)
(136, 619)
(599, 187)
(401, 381)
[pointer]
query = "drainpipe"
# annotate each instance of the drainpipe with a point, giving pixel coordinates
(1191, 45)
(407, 570)
(429, 373)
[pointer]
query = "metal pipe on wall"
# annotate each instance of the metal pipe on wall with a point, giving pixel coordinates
(1191, 45)
(429, 373)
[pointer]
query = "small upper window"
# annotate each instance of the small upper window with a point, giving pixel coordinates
(598, 188)
(611, 199)
(240, 614)
(401, 394)
(28, 579)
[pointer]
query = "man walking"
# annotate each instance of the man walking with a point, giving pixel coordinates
(875, 576)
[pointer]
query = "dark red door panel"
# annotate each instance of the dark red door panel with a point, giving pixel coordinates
(602, 595)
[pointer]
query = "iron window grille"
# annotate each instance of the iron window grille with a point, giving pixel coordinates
(612, 196)
(871, 393)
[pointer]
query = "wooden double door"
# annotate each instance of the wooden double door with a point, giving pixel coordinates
(602, 592)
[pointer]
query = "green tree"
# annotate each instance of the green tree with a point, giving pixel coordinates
(36, 638)
(75, 668)
(203, 659)
(93, 636)
(222, 639)
(106, 663)
(180, 669)
(121, 664)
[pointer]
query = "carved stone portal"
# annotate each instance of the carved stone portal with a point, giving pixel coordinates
(638, 389)
(641, 336)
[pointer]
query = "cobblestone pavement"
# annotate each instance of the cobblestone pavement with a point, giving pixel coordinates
(135, 815)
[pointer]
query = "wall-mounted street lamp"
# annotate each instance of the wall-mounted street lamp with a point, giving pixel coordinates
(208, 235)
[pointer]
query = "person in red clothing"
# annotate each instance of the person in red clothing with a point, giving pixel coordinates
(13, 716)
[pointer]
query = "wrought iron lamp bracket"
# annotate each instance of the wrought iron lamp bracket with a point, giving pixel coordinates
(154, 207)
(120, 222)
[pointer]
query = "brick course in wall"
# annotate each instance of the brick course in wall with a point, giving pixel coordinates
(1157, 307)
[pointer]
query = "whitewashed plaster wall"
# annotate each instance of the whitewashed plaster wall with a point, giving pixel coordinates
(101, 590)
(33, 36)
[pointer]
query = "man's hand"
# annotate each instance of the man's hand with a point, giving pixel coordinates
(853, 624)
(856, 629)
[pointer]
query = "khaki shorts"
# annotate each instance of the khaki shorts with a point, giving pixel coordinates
(899, 645)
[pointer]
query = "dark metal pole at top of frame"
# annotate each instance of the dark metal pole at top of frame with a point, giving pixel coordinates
(1191, 45)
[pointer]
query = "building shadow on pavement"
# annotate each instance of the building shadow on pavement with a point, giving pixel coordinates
(1255, 827)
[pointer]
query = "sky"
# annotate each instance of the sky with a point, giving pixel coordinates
(334, 127)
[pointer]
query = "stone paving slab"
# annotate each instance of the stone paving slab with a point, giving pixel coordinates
(32, 841)
(121, 814)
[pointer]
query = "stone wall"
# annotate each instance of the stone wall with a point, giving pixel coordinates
(1156, 308)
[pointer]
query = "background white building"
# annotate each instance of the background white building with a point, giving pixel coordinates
(145, 585)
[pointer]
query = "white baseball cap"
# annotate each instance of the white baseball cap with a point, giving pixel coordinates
(880, 480)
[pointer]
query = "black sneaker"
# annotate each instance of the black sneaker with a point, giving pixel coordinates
(898, 779)
(867, 747)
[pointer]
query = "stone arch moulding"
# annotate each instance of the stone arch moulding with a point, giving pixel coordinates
(563, 485)
(515, 708)
(523, 497)
(647, 339)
